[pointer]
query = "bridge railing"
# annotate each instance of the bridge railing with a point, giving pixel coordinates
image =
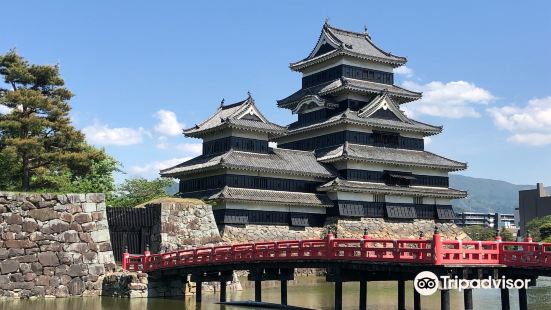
(419, 251)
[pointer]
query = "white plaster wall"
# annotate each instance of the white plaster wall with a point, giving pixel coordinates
(347, 60)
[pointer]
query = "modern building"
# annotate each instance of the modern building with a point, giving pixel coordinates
(351, 153)
(485, 219)
(533, 203)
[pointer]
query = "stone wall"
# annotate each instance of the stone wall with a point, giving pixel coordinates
(346, 228)
(53, 245)
(186, 223)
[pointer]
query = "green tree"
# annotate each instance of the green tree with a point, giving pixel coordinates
(480, 233)
(506, 235)
(39, 147)
(135, 191)
(534, 226)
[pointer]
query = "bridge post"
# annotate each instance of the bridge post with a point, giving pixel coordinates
(363, 294)
(522, 299)
(416, 300)
(437, 246)
(505, 304)
(338, 294)
(468, 299)
(125, 256)
(283, 286)
(258, 290)
(198, 291)
(445, 299)
(401, 295)
(223, 290)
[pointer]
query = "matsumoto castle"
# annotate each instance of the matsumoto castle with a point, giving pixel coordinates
(351, 153)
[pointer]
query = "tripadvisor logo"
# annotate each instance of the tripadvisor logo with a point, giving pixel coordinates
(427, 283)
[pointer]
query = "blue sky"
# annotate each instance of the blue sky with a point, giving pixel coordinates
(142, 70)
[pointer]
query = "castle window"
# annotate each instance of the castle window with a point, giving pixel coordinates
(418, 200)
(379, 198)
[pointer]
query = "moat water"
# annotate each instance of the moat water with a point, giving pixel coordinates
(310, 292)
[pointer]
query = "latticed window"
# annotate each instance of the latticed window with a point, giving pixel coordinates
(379, 198)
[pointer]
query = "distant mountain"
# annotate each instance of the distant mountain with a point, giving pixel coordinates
(486, 195)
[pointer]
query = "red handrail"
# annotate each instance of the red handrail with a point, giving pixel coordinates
(418, 251)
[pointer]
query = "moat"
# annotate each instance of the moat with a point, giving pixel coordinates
(310, 292)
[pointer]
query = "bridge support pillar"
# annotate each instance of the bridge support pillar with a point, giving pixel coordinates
(223, 291)
(198, 291)
(505, 304)
(338, 294)
(468, 299)
(363, 294)
(522, 299)
(445, 299)
(283, 287)
(401, 295)
(258, 290)
(416, 300)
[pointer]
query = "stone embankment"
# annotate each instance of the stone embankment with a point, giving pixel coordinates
(53, 245)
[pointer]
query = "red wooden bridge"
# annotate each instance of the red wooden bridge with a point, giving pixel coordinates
(380, 258)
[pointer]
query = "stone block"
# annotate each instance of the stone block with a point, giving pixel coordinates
(106, 257)
(104, 246)
(78, 270)
(75, 226)
(46, 204)
(95, 197)
(31, 258)
(83, 218)
(29, 225)
(42, 280)
(9, 266)
(49, 271)
(73, 208)
(13, 252)
(3, 253)
(66, 217)
(96, 269)
(28, 277)
(97, 216)
(89, 207)
(101, 235)
(25, 206)
(103, 224)
(89, 257)
(88, 226)
(25, 267)
(61, 291)
(76, 286)
(78, 247)
(48, 259)
(14, 219)
(85, 237)
(19, 244)
(43, 214)
(76, 198)
(38, 291)
(101, 206)
(62, 198)
(69, 236)
(36, 267)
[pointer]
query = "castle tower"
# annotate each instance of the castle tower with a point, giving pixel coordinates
(349, 115)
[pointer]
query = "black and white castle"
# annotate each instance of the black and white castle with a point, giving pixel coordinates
(351, 153)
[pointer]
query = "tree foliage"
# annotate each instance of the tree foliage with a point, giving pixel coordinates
(506, 235)
(135, 191)
(39, 147)
(480, 233)
(536, 224)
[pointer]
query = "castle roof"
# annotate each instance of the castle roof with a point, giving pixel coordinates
(242, 115)
(334, 42)
(338, 184)
(384, 155)
(271, 196)
(282, 161)
(399, 94)
(366, 117)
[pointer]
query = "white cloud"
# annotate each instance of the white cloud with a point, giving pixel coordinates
(428, 140)
(152, 169)
(405, 71)
(104, 135)
(456, 99)
(530, 124)
(190, 148)
(4, 109)
(168, 123)
(162, 143)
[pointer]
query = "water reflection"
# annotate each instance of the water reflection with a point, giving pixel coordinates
(308, 292)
